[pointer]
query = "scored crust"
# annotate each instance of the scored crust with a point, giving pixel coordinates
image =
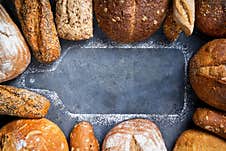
(134, 135)
(129, 21)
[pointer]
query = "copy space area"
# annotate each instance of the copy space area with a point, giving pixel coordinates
(126, 81)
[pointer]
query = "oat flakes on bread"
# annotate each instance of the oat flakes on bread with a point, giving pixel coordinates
(128, 21)
(211, 120)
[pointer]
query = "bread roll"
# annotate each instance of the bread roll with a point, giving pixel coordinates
(211, 17)
(211, 120)
(194, 140)
(14, 52)
(129, 21)
(208, 73)
(22, 103)
(74, 19)
(82, 138)
(37, 23)
(134, 135)
(184, 14)
(32, 135)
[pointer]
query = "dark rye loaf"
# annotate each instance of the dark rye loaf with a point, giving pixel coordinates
(129, 21)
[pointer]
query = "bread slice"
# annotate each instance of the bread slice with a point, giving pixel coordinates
(74, 19)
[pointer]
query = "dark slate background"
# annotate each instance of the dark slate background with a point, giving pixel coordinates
(117, 81)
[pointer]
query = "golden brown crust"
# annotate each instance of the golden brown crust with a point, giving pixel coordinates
(129, 21)
(37, 23)
(208, 73)
(211, 17)
(82, 138)
(22, 103)
(32, 134)
(134, 135)
(170, 28)
(14, 52)
(194, 140)
(211, 120)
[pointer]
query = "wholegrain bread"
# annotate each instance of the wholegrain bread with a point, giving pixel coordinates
(134, 135)
(211, 120)
(14, 52)
(211, 17)
(74, 19)
(32, 135)
(129, 21)
(207, 73)
(38, 26)
(22, 103)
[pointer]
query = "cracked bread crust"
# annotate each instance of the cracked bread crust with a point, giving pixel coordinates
(128, 21)
(134, 135)
(74, 19)
(208, 73)
(39, 29)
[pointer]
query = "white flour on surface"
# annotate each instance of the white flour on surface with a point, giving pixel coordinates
(109, 119)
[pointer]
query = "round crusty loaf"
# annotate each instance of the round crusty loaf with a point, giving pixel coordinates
(211, 120)
(194, 140)
(32, 134)
(134, 135)
(211, 17)
(208, 73)
(129, 21)
(14, 52)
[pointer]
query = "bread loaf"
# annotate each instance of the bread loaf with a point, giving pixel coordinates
(184, 14)
(134, 135)
(194, 140)
(14, 52)
(211, 17)
(32, 135)
(22, 103)
(37, 23)
(171, 29)
(82, 138)
(211, 120)
(129, 21)
(74, 19)
(208, 73)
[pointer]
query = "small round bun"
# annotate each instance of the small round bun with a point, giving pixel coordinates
(211, 17)
(32, 134)
(134, 135)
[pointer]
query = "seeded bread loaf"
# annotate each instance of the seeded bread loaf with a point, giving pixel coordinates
(208, 73)
(129, 21)
(37, 23)
(211, 120)
(74, 19)
(14, 52)
(32, 135)
(22, 103)
(211, 17)
(134, 135)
